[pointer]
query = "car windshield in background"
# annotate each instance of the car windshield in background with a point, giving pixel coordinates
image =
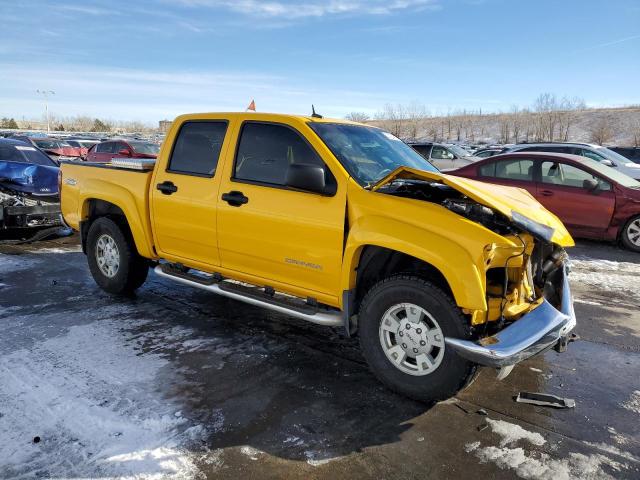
(51, 144)
(459, 151)
(368, 153)
(25, 154)
(612, 174)
(145, 147)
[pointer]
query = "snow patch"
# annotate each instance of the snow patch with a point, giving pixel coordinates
(511, 433)
(633, 403)
(252, 453)
(605, 274)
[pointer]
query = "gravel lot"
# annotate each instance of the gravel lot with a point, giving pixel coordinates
(177, 383)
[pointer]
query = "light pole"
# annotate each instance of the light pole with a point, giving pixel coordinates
(45, 94)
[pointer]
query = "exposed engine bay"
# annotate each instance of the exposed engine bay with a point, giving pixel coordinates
(24, 210)
(516, 281)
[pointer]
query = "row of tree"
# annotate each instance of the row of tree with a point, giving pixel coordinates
(549, 119)
(8, 123)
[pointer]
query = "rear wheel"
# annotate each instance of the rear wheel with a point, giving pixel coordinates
(403, 323)
(631, 234)
(113, 260)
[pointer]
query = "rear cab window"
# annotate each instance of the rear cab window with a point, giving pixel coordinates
(197, 148)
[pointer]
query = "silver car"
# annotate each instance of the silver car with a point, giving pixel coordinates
(444, 156)
(596, 152)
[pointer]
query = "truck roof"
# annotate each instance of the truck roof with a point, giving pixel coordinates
(261, 115)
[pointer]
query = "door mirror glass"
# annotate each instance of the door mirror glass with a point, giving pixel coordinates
(303, 176)
(608, 163)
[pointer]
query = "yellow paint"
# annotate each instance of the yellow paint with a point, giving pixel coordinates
(295, 241)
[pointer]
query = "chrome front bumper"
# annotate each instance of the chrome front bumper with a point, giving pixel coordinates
(542, 328)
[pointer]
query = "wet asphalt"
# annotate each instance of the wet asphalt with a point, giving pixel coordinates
(302, 399)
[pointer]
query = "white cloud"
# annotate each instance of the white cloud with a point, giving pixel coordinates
(314, 8)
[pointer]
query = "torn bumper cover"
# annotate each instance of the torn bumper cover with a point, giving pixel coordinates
(541, 329)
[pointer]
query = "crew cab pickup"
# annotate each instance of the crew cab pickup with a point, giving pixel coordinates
(340, 224)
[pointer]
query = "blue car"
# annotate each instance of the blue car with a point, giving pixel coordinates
(29, 194)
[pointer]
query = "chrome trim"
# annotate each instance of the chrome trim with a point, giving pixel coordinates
(535, 332)
(328, 319)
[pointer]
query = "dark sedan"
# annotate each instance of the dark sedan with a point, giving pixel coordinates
(592, 200)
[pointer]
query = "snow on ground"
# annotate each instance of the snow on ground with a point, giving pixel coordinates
(92, 420)
(607, 275)
(633, 403)
(539, 465)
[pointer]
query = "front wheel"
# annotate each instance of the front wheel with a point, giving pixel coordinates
(630, 235)
(113, 260)
(403, 322)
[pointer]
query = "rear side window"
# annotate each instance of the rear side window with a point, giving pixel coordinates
(266, 151)
(106, 147)
(509, 169)
(197, 148)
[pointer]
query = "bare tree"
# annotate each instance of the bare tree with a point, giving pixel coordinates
(601, 132)
(358, 117)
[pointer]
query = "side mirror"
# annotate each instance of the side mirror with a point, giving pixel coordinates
(589, 184)
(124, 152)
(608, 163)
(304, 176)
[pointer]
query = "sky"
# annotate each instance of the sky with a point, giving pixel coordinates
(148, 60)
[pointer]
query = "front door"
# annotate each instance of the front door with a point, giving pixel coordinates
(562, 190)
(184, 192)
(442, 158)
(274, 232)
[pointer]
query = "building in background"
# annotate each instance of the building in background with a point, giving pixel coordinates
(163, 126)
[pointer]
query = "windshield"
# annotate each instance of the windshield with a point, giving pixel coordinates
(458, 151)
(145, 147)
(611, 173)
(24, 153)
(611, 155)
(368, 153)
(51, 144)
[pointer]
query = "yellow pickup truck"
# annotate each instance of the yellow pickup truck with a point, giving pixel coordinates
(340, 224)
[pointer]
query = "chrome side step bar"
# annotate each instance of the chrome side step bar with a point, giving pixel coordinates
(327, 318)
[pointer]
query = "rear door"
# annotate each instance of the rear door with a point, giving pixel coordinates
(184, 193)
(562, 191)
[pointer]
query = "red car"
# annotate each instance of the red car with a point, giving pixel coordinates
(105, 151)
(592, 200)
(56, 148)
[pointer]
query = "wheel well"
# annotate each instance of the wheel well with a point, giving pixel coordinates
(377, 263)
(100, 208)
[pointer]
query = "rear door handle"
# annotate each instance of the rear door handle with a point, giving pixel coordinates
(546, 193)
(167, 187)
(235, 198)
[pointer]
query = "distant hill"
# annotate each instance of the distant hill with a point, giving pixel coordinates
(609, 126)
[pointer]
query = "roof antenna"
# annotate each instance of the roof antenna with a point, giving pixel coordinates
(313, 112)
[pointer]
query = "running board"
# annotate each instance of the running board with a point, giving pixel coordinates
(251, 296)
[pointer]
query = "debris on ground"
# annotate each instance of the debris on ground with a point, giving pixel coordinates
(482, 412)
(545, 400)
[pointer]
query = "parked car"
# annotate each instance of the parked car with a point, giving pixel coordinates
(488, 152)
(592, 200)
(106, 151)
(57, 149)
(443, 156)
(338, 224)
(28, 186)
(83, 145)
(600, 154)
(632, 153)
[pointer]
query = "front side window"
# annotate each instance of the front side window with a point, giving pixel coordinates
(441, 153)
(197, 148)
(368, 153)
(146, 148)
(266, 150)
(106, 147)
(592, 155)
(569, 176)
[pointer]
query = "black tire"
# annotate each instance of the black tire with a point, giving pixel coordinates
(132, 270)
(452, 374)
(626, 238)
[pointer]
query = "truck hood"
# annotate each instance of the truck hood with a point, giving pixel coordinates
(514, 203)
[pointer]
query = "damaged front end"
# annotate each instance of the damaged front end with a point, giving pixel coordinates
(529, 303)
(28, 196)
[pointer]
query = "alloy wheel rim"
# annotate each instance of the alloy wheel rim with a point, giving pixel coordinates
(107, 255)
(633, 232)
(411, 339)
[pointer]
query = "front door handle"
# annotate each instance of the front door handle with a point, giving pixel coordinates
(546, 193)
(235, 198)
(167, 187)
